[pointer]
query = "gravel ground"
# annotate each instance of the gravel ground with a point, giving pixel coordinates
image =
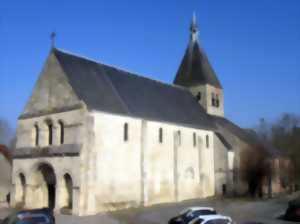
(240, 210)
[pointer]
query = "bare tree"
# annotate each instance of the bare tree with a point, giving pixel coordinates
(255, 168)
(4, 132)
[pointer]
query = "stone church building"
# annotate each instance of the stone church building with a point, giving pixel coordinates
(94, 138)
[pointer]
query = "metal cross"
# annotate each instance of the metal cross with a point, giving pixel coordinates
(52, 37)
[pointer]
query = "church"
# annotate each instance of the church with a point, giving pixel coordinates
(95, 138)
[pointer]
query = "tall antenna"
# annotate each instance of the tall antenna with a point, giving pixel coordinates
(52, 37)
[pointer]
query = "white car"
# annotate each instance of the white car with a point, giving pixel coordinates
(189, 214)
(212, 219)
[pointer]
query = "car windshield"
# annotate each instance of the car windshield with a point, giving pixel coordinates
(193, 214)
(218, 221)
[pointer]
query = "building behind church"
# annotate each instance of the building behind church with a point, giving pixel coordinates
(94, 138)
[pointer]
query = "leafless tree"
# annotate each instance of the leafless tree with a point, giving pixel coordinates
(255, 167)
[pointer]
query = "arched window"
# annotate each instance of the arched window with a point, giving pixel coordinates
(160, 135)
(207, 141)
(213, 100)
(50, 133)
(36, 135)
(198, 96)
(179, 138)
(194, 139)
(61, 132)
(126, 132)
(217, 100)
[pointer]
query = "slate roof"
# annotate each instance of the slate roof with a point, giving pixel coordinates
(224, 140)
(223, 123)
(195, 67)
(112, 90)
(247, 135)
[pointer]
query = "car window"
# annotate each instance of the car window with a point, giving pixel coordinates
(33, 219)
(198, 221)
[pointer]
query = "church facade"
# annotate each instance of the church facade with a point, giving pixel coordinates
(96, 138)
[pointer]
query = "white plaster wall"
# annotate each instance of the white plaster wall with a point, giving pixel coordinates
(160, 164)
(117, 171)
(141, 170)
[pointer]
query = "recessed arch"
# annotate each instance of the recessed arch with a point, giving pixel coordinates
(44, 179)
(61, 131)
(36, 135)
(67, 191)
(49, 124)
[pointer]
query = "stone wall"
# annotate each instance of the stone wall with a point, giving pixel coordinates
(58, 156)
(5, 178)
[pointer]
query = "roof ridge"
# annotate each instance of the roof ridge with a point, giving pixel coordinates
(120, 69)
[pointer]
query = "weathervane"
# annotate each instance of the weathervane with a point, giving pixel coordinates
(52, 37)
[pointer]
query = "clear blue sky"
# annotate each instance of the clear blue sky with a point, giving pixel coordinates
(254, 46)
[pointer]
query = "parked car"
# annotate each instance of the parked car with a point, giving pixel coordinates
(293, 211)
(187, 215)
(212, 219)
(35, 216)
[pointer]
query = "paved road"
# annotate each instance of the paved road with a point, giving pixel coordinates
(265, 211)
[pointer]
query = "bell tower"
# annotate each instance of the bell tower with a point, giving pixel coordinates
(196, 73)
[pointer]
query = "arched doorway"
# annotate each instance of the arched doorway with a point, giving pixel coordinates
(46, 181)
(20, 190)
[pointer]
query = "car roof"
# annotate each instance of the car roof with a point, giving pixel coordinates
(211, 217)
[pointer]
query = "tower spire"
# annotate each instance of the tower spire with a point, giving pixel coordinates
(194, 28)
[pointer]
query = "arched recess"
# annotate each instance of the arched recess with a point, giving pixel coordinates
(66, 192)
(20, 189)
(44, 182)
(36, 135)
(49, 124)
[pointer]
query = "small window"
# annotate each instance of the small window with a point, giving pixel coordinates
(62, 132)
(37, 134)
(160, 135)
(126, 132)
(194, 139)
(198, 96)
(207, 141)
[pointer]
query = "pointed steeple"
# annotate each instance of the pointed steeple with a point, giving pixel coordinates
(195, 68)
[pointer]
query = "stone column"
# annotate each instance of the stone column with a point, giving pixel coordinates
(58, 195)
(13, 195)
(75, 201)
